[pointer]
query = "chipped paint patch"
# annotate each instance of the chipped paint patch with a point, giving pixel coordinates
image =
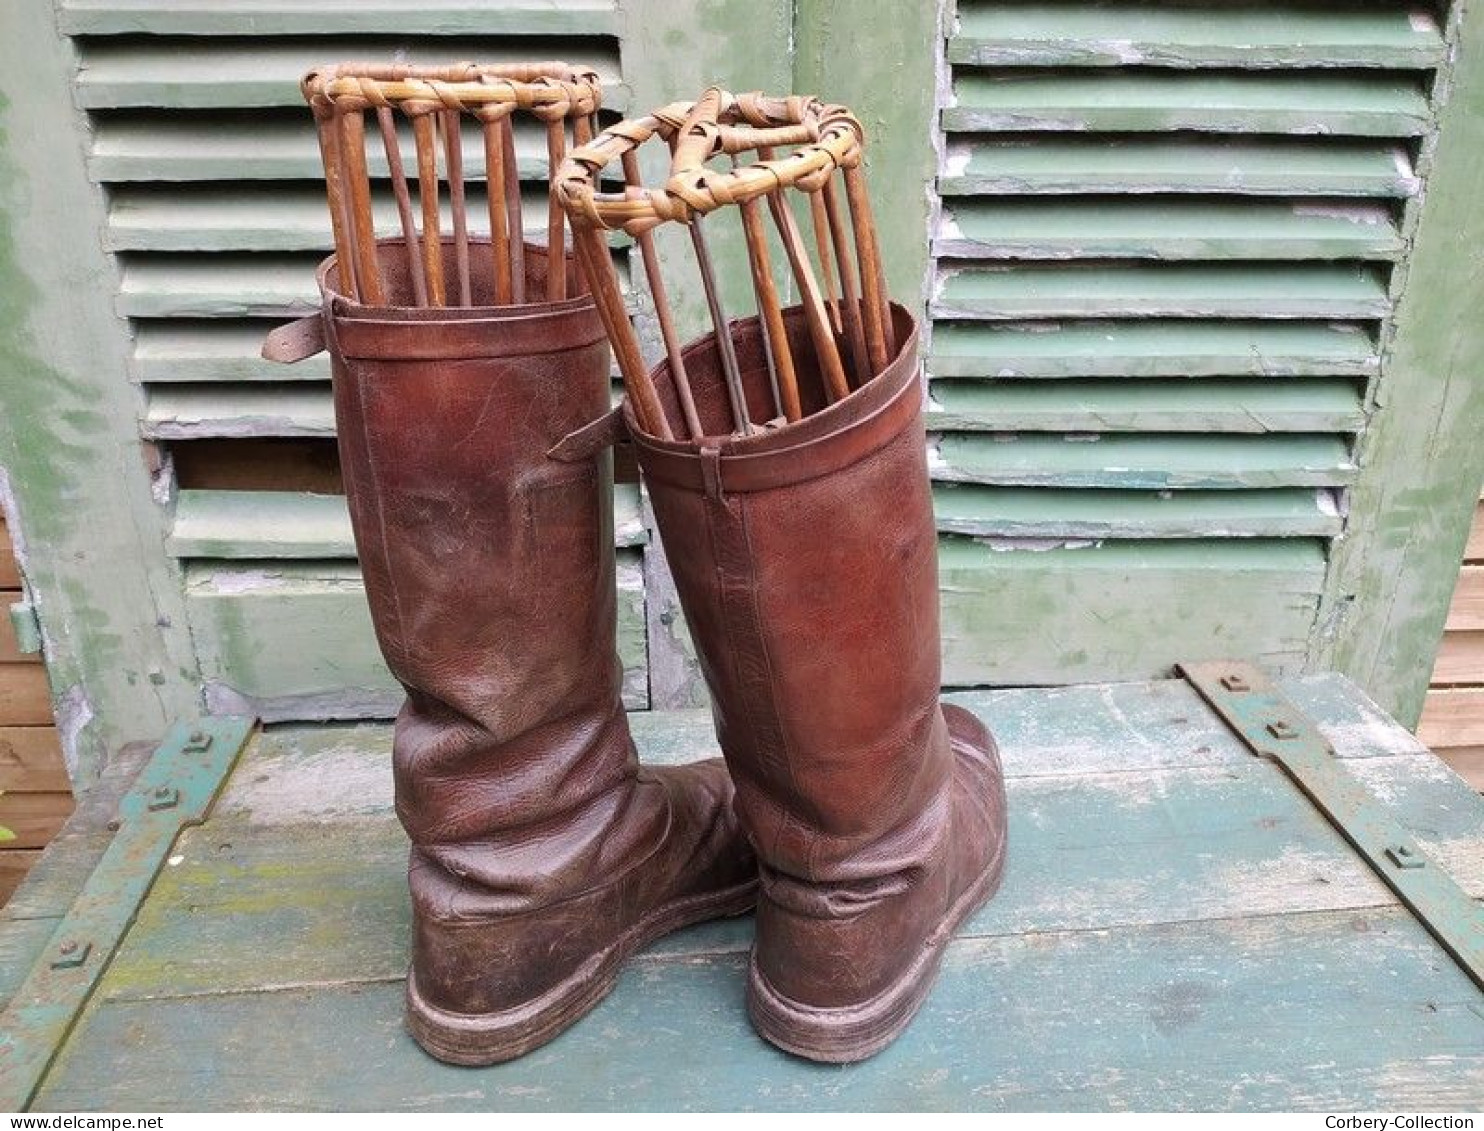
(74, 713)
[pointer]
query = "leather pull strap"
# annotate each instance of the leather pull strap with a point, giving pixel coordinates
(711, 472)
(590, 439)
(295, 341)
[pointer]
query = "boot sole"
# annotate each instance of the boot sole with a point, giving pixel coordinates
(843, 1034)
(480, 1039)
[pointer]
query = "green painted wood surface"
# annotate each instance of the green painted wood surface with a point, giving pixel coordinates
(1177, 229)
(198, 286)
(1243, 34)
(1152, 348)
(198, 411)
(1066, 610)
(76, 488)
(1142, 461)
(1178, 929)
(289, 17)
(1005, 291)
(895, 101)
(1137, 101)
(223, 350)
(1030, 512)
(1393, 574)
(197, 147)
(293, 639)
(291, 524)
(211, 74)
(1157, 164)
(1234, 405)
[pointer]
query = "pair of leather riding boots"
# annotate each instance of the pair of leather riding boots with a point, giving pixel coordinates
(866, 820)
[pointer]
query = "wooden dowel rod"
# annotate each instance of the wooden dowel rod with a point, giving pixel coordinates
(725, 351)
(873, 279)
(427, 187)
(388, 122)
(494, 169)
(855, 336)
(329, 151)
(453, 158)
(780, 359)
(820, 223)
(556, 243)
(815, 316)
(592, 255)
(514, 224)
(363, 225)
(662, 311)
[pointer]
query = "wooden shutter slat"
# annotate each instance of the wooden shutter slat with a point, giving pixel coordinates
(190, 412)
(1166, 228)
(1160, 164)
(1290, 102)
(1151, 348)
(1145, 461)
(1209, 405)
(294, 17)
(1217, 34)
(223, 350)
(1020, 291)
(214, 73)
(1072, 514)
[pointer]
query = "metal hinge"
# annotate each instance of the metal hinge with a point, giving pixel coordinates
(176, 788)
(1272, 727)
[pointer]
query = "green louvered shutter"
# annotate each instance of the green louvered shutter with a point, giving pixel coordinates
(1164, 265)
(217, 217)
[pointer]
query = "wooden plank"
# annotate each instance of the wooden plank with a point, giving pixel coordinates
(1246, 34)
(276, 906)
(1168, 1001)
(1212, 405)
(212, 74)
(1166, 228)
(1139, 101)
(232, 286)
(1141, 462)
(25, 697)
(195, 412)
(14, 864)
(1467, 762)
(1154, 164)
(1035, 512)
(34, 818)
(336, 17)
(218, 350)
(1474, 550)
(1152, 348)
(1454, 717)
(1466, 611)
(10, 652)
(31, 760)
(293, 640)
(1460, 659)
(10, 574)
(1165, 291)
(209, 147)
(1411, 507)
(212, 217)
(1043, 602)
(296, 525)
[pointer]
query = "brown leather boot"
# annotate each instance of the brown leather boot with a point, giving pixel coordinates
(543, 855)
(806, 562)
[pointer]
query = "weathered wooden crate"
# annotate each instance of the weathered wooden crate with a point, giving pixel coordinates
(1179, 928)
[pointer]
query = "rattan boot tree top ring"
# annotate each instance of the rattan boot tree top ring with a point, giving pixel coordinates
(434, 100)
(850, 333)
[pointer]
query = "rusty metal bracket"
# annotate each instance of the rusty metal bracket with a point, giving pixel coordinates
(1274, 728)
(175, 789)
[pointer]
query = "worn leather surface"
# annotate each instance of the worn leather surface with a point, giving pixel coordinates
(537, 839)
(806, 562)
